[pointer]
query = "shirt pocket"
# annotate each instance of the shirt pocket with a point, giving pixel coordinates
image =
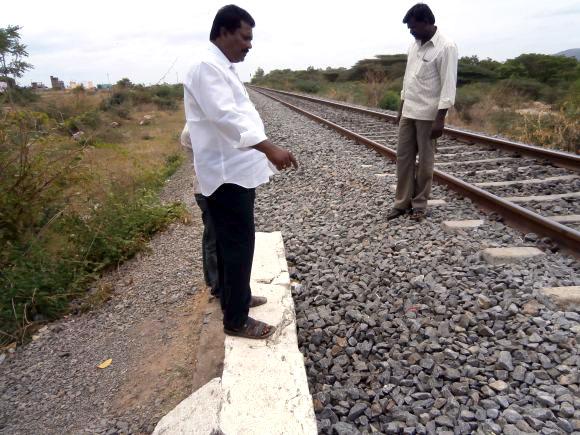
(429, 69)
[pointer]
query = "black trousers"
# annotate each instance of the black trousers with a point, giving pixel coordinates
(232, 211)
(208, 247)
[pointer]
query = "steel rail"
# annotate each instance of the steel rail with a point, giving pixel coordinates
(514, 214)
(560, 158)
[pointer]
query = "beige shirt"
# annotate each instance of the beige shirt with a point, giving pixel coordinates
(430, 77)
(186, 142)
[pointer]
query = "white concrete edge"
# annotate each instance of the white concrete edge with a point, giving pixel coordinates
(264, 388)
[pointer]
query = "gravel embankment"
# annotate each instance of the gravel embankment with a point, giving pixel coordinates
(404, 328)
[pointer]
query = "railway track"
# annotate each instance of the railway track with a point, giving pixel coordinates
(532, 188)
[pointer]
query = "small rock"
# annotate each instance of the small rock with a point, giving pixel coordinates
(504, 361)
(499, 386)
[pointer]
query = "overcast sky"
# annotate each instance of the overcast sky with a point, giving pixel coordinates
(141, 41)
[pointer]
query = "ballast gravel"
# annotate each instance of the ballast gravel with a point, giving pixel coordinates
(404, 328)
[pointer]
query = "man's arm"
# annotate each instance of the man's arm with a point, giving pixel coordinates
(400, 111)
(216, 99)
(280, 157)
(448, 74)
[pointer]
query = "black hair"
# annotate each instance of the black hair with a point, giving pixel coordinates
(230, 17)
(421, 12)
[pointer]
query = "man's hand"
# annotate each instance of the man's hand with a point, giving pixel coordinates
(438, 124)
(437, 128)
(400, 112)
(280, 157)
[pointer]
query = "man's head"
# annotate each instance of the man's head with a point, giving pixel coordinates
(232, 32)
(420, 21)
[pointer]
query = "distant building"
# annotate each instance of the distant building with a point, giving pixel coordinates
(104, 86)
(90, 85)
(38, 85)
(73, 85)
(55, 83)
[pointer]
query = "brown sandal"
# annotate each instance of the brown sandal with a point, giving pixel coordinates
(257, 301)
(253, 328)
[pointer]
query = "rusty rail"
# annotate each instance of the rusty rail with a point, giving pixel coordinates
(515, 215)
(560, 158)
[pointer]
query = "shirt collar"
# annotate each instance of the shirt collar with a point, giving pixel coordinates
(434, 40)
(219, 55)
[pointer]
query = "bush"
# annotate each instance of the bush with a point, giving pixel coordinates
(85, 121)
(308, 86)
(37, 283)
(468, 96)
(390, 101)
(530, 88)
(19, 95)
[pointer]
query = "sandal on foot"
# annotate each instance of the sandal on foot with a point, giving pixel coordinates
(253, 328)
(257, 301)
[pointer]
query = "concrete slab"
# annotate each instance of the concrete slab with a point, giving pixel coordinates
(567, 219)
(264, 388)
(530, 181)
(563, 296)
(199, 413)
(468, 153)
(491, 171)
(456, 226)
(469, 162)
(451, 147)
(542, 198)
(436, 202)
(510, 255)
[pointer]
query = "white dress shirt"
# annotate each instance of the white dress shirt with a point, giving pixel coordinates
(430, 77)
(223, 125)
(186, 143)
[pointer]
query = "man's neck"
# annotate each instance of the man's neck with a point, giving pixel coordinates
(219, 46)
(432, 33)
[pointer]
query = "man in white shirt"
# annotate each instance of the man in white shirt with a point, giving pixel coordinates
(428, 92)
(232, 156)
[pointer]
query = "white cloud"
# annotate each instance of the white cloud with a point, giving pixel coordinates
(141, 42)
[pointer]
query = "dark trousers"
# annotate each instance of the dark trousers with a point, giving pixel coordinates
(208, 247)
(232, 211)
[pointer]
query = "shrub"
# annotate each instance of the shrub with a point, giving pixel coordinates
(19, 95)
(526, 87)
(308, 86)
(85, 121)
(390, 101)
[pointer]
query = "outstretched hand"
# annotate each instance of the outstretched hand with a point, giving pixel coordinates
(281, 158)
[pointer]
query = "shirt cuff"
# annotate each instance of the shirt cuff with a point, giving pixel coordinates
(445, 103)
(250, 138)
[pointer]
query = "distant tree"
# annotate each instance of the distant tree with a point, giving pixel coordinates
(541, 67)
(124, 83)
(259, 73)
(79, 90)
(12, 53)
(469, 60)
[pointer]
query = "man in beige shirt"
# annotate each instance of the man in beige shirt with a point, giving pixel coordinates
(428, 92)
